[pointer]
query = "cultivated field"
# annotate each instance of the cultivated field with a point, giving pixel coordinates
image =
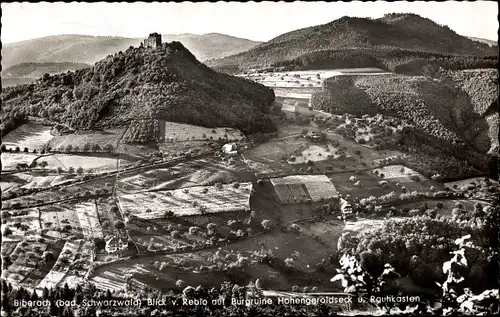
(315, 153)
(178, 132)
(10, 160)
(86, 162)
(307, 78)
(399, 173)
(24, 258)
(300, 188)
(89, 220)
(60, 220)
(328, 232)
(277, 150)
(80, 265)
(199, 172)
(78, 141)
(31, 135)
(22, 225)
(188, 201)
(368, 184)
(67, 256)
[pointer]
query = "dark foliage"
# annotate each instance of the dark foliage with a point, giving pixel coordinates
(418, 246)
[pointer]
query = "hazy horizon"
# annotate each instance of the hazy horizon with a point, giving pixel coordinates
(254, 21)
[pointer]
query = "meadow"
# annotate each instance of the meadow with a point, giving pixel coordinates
(33, 136)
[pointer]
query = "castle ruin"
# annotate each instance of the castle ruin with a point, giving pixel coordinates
(153, 40)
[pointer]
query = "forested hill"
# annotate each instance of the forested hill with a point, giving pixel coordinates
(407, 32)
(166, 83)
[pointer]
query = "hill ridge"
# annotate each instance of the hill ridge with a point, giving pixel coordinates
(166, 83)
(396, 31)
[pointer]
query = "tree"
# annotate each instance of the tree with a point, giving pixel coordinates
(79, 171)
(69, 147)
(43, 164)
(26, 150)
(180, 283)
(108, 148)
(59, 170)
(71, 170)
(17, 149)
(478, 210)
(266, 224)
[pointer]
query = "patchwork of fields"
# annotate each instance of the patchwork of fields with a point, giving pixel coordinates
(188, 201)
(300, 188)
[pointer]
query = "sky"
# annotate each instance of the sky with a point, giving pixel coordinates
(255, 21)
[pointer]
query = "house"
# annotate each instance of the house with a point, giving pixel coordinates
(345, 206)
(230, 149)
(114, 245)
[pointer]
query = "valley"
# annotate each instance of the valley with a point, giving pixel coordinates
(157, 206)
(303, 174)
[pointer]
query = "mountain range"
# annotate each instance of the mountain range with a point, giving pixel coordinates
(406, 33)
(90, 49)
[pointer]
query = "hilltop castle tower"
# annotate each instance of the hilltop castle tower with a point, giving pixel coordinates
(153, 40)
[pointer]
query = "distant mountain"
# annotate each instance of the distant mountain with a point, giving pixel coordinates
(90, 49)
(29, 72)
(211, 45)
(141, 86)
(407, 32)
(485, 41)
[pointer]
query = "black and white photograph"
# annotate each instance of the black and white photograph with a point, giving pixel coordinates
(250, 159)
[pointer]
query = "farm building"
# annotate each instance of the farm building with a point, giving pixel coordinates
(304, 188)
(115, 244)
(345, 206)
(230, 149)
